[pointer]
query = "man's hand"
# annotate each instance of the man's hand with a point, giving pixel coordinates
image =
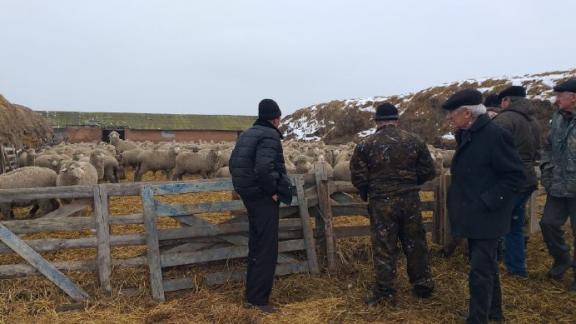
(275, 198)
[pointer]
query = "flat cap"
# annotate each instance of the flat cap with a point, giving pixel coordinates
(567, 86)
(513, 91)
(386, 111)
(466, 97)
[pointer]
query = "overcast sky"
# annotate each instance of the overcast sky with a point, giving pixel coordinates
(222, 57)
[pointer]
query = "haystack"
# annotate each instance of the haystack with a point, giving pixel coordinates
(20, 126)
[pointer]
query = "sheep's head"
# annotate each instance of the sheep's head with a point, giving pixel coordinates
(73, 169)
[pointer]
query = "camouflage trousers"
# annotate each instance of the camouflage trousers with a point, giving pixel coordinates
(393, 220)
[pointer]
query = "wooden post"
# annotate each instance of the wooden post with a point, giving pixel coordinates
(43, 266)
(306, 227)
(2, 160)
(153, 245)
(104, 256)
(533, 224)
(326, 213)
(441, 227)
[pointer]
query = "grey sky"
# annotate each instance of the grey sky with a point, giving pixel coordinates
(222, 57)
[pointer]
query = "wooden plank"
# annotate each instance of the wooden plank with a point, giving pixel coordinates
(239, 239)
(192, 187)
(232, 252)
(45, 245)
(350, 210)
(171, 210)
(19, 270)
(67, 210)
(27, 226)
(127, 219)
(326, 213)
(178, 284)
(26, 194)
(213, 230)
(218, 278)
(104, 255)
(152, 244)
(43, 266)
(306, 227)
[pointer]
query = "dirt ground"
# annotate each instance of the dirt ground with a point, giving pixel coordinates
(326, 298)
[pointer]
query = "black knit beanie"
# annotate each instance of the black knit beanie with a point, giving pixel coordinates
(268, 109)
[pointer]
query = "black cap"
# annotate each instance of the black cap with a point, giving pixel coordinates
(386, 111)
(512, 91)
(492, 101)
(466, 97)
(567, 86)
(268, 109)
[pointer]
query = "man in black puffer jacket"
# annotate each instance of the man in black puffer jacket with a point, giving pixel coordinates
(259, 177)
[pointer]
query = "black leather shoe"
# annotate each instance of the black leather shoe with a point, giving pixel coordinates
(376, 299)
(423, 291)
(560, 266)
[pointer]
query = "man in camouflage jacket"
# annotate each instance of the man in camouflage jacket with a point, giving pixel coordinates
(559, 179)
(387, 168)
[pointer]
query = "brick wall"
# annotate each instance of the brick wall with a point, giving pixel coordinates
(84, 134)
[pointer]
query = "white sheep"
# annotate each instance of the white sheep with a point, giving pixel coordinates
(75, 173)
(29, 177)
(156, 160)
(205, 162)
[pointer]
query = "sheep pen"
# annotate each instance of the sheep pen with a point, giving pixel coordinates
(337, 296)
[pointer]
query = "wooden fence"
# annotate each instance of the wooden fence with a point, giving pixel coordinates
(8, 158)
(317, 197)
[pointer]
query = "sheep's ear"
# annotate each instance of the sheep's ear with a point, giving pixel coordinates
(63, 170)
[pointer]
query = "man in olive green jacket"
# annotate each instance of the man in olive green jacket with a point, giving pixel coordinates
(559, 178)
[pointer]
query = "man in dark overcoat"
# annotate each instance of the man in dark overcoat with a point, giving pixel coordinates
(486, 175)
(259, 178)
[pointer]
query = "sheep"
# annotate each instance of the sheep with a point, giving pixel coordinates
(120, 144)
(106, 165)
(325, 165)
(223, 172)
(342, 171)
(130, 158)
(302, 165)
(156, 160)
(26, 158)
(29, 177)
(51, 161)
(75, 173)
(205, 163)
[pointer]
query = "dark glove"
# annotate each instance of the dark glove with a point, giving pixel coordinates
(364, 194)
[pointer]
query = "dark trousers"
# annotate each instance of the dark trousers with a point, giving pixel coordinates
(515, 253)
(556, 212)
(263, 216)
(484, 282)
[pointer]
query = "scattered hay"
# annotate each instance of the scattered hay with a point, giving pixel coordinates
(302, 298)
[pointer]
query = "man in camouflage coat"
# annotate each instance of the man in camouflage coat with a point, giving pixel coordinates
(387, 168)
(559, 178)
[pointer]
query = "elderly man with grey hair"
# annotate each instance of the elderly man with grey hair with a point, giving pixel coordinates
(486, 175)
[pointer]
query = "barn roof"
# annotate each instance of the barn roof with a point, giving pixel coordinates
(63, 119)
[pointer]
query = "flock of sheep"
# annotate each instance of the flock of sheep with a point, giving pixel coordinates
(91, 163)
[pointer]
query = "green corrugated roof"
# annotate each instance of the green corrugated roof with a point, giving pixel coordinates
(62, 119)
